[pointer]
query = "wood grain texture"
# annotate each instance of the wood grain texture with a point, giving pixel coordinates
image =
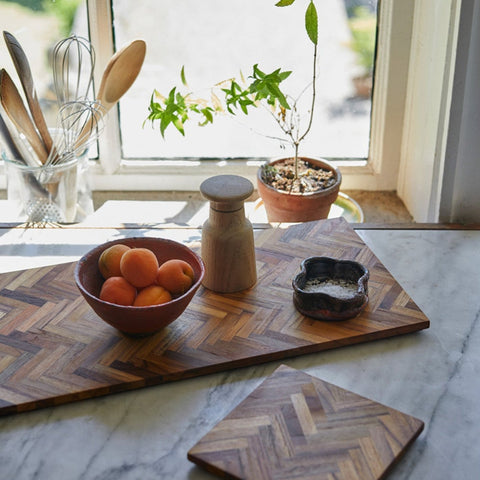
(295, 426)
(54, 349)
(228, 248)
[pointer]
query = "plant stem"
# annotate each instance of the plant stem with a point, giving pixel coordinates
(296, 142)
(296, 160)
(314, 91)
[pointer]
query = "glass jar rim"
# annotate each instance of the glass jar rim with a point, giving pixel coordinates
(21, 165)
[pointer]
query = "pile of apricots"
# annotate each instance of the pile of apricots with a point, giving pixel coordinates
(133, 277)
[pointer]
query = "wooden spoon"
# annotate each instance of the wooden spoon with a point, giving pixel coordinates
(26, 78)
(13, 153)
(7, 142)
(119, 74)
(15, 109)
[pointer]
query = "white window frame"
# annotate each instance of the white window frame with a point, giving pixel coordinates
(379, 173)
(435, 34)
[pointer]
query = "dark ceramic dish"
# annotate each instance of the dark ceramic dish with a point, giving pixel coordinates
(330, 289)
(137, 321)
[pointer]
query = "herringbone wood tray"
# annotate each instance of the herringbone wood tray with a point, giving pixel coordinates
(295, 426)
(54, 349)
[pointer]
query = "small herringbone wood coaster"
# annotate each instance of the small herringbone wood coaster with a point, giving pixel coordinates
(294, 426)
(54, 349)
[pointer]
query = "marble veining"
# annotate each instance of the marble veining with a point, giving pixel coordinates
(145, 434)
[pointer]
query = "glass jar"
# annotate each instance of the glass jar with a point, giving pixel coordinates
(40, 194)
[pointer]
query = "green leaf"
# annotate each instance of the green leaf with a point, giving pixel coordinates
(208, 116)
(267, 86)
(182, 76)
(179, 125)
(257, 73)
(236, 97)
(277, 93)
(284, 3)
(311, 23)
(176, 109)
(163, 125)
(171, 96)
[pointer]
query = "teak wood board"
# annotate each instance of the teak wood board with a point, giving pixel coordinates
(295, 426)
(54, 349)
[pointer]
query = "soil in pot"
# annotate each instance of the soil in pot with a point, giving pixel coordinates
(311, 178)
(307, 198)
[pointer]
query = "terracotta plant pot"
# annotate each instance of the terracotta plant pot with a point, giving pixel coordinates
(285, 207)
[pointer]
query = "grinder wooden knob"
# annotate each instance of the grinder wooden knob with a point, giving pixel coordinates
(228, 248)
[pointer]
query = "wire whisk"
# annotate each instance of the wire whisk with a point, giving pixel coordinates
(73, 67)
(79, 124)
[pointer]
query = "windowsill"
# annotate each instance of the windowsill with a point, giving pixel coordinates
(378, 207)
(188, 174)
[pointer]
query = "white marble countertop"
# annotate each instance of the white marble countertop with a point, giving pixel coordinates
(145, 434)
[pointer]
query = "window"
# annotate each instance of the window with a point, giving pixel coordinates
(233, 147)
(216, 40)
(161, 23)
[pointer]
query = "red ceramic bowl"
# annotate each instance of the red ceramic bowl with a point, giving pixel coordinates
(137, 320)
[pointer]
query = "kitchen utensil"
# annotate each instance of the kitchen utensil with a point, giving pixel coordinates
(48, 192)
(10, 151)
(6, 141)
(227, 194)
(43, 193)
(297, 426)
(17, 145)
(119, 75)
(15, 109)
(73, 66)
(79, 123)
(25, 75)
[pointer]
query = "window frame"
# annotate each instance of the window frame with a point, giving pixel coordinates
(435, 39)
(379, 172)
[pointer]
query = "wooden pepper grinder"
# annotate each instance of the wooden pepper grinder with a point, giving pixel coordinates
(228, 249)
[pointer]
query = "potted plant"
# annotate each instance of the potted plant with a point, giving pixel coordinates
(293, 189)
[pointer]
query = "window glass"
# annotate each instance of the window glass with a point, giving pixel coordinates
(38, 25)
(216, 40)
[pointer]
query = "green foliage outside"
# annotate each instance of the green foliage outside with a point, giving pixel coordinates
(363, 25)
(35, 5)
(64, 10)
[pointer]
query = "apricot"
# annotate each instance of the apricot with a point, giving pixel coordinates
(175, 275)
(118, 290)
(109, 261)
(152, 295)
(139, 266)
